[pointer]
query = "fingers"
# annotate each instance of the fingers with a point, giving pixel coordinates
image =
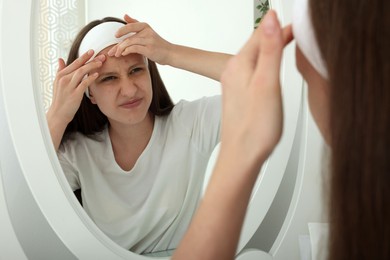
(85, 82)
(100, 57)
(140, 49)
(80, 68)
(61, 64)
(287, 34)
(131, 27)
(78, 62)
(128, 19)
(71, 82)
(251, 49)
(130, 45)
(269, 59)
(134, 27)
(113, 50)
(77, 73)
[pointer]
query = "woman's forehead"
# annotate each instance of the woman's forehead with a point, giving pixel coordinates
(116, 64)
(129, 58)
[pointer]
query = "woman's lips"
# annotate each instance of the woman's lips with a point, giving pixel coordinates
(132, 104)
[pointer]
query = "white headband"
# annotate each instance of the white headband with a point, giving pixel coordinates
(305, 37)
(100, 37)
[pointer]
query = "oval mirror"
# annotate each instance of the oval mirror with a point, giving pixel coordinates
(30, 161)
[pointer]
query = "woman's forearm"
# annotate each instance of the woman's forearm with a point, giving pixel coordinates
(215, 229)
(205, 63)
(56, 128)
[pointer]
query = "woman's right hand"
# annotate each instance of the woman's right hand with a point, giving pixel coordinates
(69, 87)
(70, 84)
(144, 41)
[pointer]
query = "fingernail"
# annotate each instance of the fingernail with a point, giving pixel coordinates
(90, 52)
(101, 57)
(269, 24)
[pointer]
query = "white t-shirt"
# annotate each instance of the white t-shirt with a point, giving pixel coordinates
(147, 209)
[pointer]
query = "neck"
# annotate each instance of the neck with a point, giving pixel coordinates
(130, 136)
(129, 141)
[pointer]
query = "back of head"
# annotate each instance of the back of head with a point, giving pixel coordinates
(354, 39)
(88, 119)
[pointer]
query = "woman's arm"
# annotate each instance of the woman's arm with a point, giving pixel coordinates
(147, 42)
(205, 63)
(250, 87)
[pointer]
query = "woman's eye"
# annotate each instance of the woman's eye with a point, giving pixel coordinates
(105, 79)
(135, 70)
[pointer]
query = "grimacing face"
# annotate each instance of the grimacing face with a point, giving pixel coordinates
(123, 89)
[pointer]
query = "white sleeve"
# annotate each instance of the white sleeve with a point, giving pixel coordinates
(69, 170)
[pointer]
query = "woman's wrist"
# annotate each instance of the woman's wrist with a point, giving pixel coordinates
(55, 119)
(56, 127)
(174, 54)
(243, 162)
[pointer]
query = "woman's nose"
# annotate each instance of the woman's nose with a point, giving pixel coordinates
(128, 87)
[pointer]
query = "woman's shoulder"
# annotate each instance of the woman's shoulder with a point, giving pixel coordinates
(190, 115)
(77, 141)
(190, 107)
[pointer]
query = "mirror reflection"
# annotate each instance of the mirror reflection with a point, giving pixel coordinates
(134, 153)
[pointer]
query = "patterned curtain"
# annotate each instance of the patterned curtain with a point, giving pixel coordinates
(58, 23)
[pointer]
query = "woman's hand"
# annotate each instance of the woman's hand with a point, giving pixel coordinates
(144, 41)
(147, 42)
(70, 84)
(252, 104)
(69, 87)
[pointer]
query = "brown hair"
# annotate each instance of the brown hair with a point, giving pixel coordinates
(353, 37)
(88, 119)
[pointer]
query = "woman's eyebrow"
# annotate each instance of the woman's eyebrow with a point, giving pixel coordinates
(137, 64)
(131, 66)
(106, 73)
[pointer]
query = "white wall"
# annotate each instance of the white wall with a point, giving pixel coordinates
(216, 25)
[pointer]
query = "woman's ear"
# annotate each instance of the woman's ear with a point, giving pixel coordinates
(91, 97)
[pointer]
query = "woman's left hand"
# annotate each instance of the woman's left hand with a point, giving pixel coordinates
(252, 120)
(144, 41)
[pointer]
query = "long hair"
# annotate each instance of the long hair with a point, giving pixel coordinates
(88, 119)
(354, 39)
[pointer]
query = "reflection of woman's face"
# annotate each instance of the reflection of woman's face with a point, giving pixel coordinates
(318, 93)
(123, 89)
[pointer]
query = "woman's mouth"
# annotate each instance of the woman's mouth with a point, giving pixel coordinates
(132, 103)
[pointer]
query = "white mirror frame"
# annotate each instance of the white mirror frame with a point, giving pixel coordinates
(43, 208)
